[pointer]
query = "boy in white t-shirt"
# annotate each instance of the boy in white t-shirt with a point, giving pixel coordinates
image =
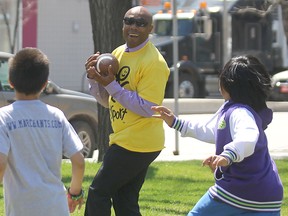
(34, 137)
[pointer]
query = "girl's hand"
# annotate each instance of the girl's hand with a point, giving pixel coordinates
(164, 113)
(215, 161)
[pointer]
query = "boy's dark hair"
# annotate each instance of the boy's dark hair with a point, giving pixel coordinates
(29, 70)
(247, 81)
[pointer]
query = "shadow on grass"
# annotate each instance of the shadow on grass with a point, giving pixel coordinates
(152, 171)
(153, 174)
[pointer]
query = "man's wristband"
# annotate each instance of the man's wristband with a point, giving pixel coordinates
(75, 197)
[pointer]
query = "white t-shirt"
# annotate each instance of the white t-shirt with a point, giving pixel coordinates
(34, 136)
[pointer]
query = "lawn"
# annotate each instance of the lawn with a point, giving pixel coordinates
(171, 188)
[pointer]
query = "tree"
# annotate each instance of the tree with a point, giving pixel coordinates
(11, 11)
(107, 21)
(284, 4)
(5, 5)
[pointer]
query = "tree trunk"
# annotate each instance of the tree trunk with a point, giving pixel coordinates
(103, 131)
(107, 21)
(284, 5)
(12, 36)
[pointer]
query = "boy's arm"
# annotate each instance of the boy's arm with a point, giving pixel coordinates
(75, 193)
(3, 163)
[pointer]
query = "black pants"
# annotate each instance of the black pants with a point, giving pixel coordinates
(118, 180)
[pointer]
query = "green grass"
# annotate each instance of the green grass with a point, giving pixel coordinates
(171, 188)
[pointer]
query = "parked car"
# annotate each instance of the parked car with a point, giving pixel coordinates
(79, 108)
(279, 86)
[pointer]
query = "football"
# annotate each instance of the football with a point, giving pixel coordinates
(103, 62)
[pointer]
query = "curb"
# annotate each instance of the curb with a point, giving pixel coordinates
(206, 106)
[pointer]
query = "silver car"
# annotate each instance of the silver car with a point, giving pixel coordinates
(79, 108)
(279, 86)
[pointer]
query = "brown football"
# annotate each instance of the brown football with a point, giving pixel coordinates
(103, 62)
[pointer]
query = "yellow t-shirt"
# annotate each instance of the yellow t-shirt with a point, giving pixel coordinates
(146, 72)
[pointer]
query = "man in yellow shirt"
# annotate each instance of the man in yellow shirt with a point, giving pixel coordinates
(137, 138)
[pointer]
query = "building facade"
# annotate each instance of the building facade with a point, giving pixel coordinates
(61, 29)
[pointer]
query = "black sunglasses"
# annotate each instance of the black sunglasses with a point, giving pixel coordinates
(140, 22)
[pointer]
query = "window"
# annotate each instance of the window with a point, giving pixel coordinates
(5, 86)
(164, 27)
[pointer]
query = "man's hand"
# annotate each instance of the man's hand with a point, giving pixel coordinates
(91, 62)
(92, 73)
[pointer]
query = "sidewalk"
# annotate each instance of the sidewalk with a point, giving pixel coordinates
(191, 149)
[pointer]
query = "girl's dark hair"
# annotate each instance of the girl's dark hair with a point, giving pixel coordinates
(29, 70)
(247, 81)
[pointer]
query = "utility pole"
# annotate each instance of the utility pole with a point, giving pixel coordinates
(225, 32)
(175, 78)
